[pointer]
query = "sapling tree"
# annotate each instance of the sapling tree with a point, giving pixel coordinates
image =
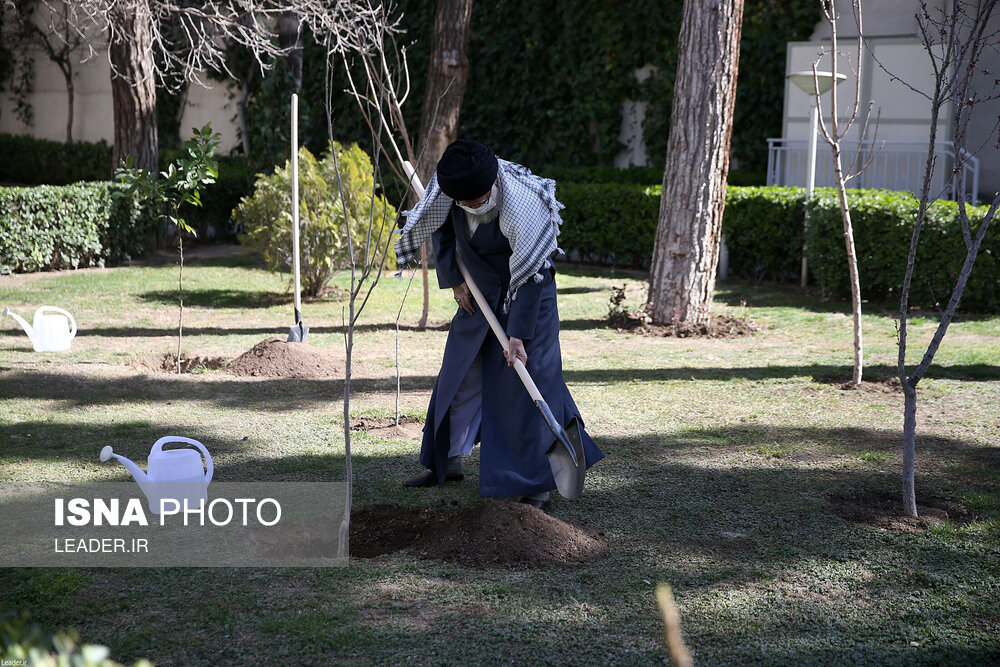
(955, 35)
(180, 184)
(833, 134)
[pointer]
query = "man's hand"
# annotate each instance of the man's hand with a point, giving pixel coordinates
(463, 297)
(516, 351)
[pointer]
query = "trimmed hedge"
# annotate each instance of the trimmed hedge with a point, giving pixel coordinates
(883, 225)
(52, 227)
(763, 228)
(616, 224)
(634, 175)
(609, 223)
(31, 161)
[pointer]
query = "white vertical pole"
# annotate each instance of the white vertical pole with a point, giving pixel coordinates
(810, 186)
(295, 207)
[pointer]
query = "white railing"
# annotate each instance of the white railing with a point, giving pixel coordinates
(896, 165)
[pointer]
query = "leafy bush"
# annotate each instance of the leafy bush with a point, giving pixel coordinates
(213, 219)
(883, 225)
(763, 228)
(266, 216)
(56, 227)
(23, 642)
(635, 175)
(31, 161)
(609, 223)
(616, 224)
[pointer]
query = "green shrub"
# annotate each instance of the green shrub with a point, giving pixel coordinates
(763, 228)
(70, 226)
(634, 175)
(608, 223)
(31, 161)
(267, 220)
(616, 224)
(883, 225)
(213, 219)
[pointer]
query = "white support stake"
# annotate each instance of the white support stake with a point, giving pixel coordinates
(295, 207)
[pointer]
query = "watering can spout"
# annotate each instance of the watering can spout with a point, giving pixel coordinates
(136, 471)
(20, 320)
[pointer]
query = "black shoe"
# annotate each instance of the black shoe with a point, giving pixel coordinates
(535, 502)
(430, 479)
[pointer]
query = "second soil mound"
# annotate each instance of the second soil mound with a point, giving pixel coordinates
(494, 534)
(277, 358)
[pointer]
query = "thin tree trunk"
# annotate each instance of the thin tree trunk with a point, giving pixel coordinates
(909, 447)
(447, 74)
(69, 101)
(180, 292)
(132, 86)
(852, 265)
(688, 235)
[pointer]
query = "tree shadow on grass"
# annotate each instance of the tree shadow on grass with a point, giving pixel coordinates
(218, 298)
(789, 581)
(735, 294)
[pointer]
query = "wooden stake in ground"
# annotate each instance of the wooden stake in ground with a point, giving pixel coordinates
(679, 654)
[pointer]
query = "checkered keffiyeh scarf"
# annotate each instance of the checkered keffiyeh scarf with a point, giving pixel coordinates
(529, 218)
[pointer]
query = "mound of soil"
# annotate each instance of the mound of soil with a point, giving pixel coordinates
(275, 357)
(409, 428)
(720, 326)
(167, 363)
(493, 534)
(885, 511)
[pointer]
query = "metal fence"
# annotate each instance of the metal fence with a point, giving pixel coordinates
(896, 165)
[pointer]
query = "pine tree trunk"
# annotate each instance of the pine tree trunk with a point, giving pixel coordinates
(447, 74)
(688, 236)
(133, 86)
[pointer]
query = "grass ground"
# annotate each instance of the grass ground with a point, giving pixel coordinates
(728, 465)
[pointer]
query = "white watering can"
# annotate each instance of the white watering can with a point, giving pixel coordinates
(50, 333)
(174, 474)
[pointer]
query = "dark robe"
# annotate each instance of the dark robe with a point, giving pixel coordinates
(513, 435)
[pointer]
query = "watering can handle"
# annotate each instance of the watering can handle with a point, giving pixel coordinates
(158, 447)
(72, 320)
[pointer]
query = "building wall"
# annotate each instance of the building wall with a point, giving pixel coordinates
(903, 114)
(93, 117)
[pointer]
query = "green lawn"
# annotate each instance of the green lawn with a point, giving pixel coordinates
(729, 465)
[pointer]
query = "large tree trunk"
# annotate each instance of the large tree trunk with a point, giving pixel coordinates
(447, 74)
(686, 252)
(133, 86)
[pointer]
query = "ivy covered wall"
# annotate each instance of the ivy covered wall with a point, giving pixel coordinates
(547, 79)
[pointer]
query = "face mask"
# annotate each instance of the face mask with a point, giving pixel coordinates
(490, 204)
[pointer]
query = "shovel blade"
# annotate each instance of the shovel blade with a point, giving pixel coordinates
(297, 334)
(568, 462)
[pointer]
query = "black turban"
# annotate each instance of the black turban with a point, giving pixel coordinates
(467, 170)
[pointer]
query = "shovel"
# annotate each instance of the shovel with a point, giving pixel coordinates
(297, 334)
(565, 455)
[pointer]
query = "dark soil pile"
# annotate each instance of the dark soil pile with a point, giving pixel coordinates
(409, 428)
(875, 385)
(885, 510)
(720, 326)
(167, 363)
(494, 534)
(277, 358)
